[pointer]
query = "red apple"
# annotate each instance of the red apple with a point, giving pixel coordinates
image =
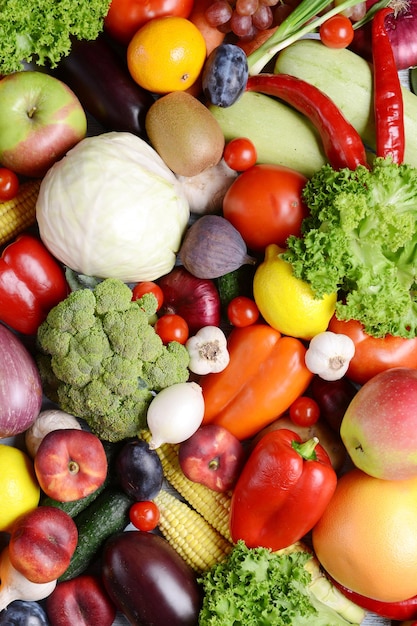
(213, 456)
(41, 118)
(42, 543)
(82, 601)
(70, 464)
(379, 428)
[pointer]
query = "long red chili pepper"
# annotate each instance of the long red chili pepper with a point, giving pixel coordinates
(388, 100)
(342, 144)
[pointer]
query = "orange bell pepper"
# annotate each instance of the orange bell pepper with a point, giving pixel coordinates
(266, 373)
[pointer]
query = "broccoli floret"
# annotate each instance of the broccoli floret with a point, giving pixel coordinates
(360, 239)
(101, 359)
(169, 368)
(41, 30)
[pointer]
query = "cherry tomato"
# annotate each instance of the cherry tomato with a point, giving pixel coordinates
(374, 354)
(172, 327)
(265, 205)
(125, 17)
(144, 515)
(337, 32)
(304, 411)
(242, 311)
(9, 184)
(240, 154)
(148, 287)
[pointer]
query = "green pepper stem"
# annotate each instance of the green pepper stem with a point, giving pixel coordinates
(306, 449)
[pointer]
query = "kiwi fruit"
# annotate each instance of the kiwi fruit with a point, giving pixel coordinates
(184, 133)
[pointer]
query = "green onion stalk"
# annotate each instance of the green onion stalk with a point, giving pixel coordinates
(299, 23)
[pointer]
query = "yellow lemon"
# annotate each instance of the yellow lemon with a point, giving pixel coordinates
(19, 488)
(167, 54)
(286, 302)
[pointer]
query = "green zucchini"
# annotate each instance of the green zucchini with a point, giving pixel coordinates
(107, 515)
(280, 134)
(74, 507)
(347, 79)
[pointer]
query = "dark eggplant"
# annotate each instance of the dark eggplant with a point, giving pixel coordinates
(96, 73)
(149, 582)
(139, 470)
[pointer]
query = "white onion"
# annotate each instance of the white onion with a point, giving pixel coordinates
(175, 414)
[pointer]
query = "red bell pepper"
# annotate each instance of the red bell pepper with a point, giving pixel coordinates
(405, 610)
(32, 282)
(282, 491)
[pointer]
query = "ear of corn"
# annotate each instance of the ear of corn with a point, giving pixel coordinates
(198, 543)
(212, 505)
(18, 214)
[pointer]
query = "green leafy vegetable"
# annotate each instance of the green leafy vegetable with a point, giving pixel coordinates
(41, 30)
(360, 239)
(257, 587)
(100, 359)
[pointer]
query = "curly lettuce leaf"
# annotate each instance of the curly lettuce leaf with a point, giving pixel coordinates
(360, 240)
(41, 30)
(257, 587)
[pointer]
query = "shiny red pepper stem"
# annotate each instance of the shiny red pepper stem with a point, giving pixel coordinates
(342, 144)
(388, 100)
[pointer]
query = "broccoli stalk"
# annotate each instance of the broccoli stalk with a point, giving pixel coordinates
(41, 30)
(360, 240)
(101, 360)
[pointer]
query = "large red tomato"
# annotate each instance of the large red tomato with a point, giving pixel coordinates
(125, 17)
(265, 205)
(374, 354)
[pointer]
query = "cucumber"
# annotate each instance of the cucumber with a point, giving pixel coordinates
(74, 507)
(236, 283)
(347, 79)
(107, 515)
(280, 134)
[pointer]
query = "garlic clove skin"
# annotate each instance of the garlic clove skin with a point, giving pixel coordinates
(208, 351)
(48, 420)
(15, 586)
(205, 191)
(329, 355)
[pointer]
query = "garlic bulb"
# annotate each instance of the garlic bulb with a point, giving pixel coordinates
(48, 420)
(208, 350)
(329, 355)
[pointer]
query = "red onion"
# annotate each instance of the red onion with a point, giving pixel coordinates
(20, 385)
(402, 32)
(195, 299)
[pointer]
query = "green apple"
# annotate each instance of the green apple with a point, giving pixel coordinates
(40, 120)
(379, 428)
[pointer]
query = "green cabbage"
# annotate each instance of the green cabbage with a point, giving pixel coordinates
(111, 208)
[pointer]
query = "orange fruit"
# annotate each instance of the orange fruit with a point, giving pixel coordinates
(166, 54)
(367, 537)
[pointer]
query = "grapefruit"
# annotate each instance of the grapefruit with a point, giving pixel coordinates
(367, 537)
